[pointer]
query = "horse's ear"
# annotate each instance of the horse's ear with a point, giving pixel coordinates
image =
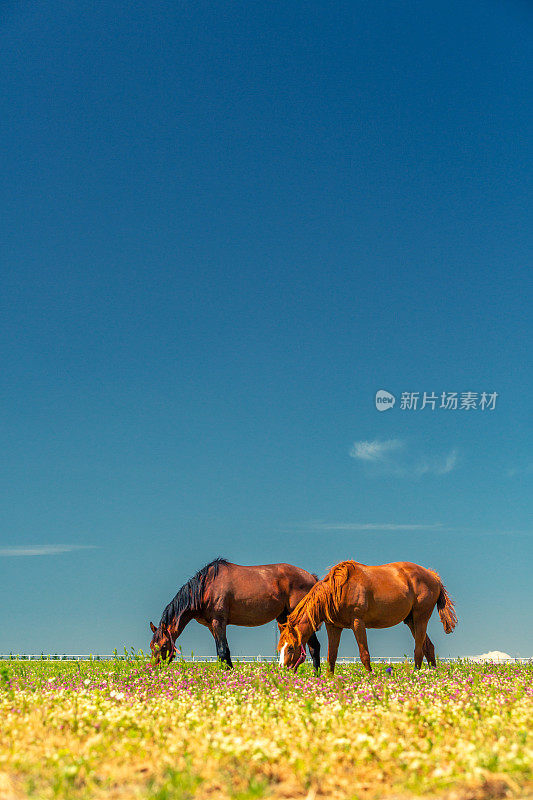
(153, 628)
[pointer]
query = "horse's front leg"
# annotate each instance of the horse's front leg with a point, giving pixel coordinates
(314, 651)
(359, 629)
(218, 629)
(334, 637)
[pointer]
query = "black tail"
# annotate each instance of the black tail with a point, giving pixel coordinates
(190, 596)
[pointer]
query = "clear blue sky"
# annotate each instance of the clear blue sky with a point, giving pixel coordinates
(223, 228)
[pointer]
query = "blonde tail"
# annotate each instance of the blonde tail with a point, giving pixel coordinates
(446, 610)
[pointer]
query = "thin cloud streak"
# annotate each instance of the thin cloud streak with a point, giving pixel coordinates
(512, 472)
(375, 450)
(42, 549)
(372, 526)
(392, 527)
(436, 466)
(382, 457)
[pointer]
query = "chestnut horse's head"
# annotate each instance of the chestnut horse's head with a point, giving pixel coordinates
(162, 644)
(290, 648)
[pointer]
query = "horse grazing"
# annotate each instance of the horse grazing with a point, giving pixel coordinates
(222, 594)
(357, 596)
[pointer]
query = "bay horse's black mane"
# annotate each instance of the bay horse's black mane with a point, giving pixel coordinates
(190, 596)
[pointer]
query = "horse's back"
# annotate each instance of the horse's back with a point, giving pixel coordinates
(408, 573)
(425, 582)
(271, 572)
(255, 594)
(385, 594)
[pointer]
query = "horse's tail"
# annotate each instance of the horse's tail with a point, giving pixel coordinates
(446, 610)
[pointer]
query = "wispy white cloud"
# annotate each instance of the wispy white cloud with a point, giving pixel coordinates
(372, 526)
(392, 527)
(439, 465)
(43, 549)
(512, 472)
(450, 462)
(375, 450)
(391, 456)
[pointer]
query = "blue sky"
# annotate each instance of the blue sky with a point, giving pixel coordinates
(224, 228)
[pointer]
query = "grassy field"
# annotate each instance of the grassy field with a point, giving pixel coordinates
(124, 729)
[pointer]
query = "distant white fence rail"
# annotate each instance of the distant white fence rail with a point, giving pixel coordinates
(245, 659)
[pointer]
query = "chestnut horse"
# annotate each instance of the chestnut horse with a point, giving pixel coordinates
(357, 596)
(222, 594)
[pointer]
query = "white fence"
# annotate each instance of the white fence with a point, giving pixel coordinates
(245, 659)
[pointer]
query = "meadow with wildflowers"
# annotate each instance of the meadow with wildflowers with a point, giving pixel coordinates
(191, 730)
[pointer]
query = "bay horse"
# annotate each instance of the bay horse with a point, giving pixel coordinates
(222, 593)
(357, 596)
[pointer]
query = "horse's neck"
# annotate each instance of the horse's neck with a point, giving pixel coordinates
(320, 610)
(179, 623)
(306, 627)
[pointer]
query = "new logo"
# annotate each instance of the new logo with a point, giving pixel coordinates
(384, 400)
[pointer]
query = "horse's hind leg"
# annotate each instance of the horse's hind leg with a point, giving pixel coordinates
(429, 652)
(420, 637)
(218, 629)
(427, 648)
(418, 626)
(359, 629)
(314, 650)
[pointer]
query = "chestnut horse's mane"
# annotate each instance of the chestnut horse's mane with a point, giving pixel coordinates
(322, 601)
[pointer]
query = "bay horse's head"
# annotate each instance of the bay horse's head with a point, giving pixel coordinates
(162, 644)
(290, 648)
